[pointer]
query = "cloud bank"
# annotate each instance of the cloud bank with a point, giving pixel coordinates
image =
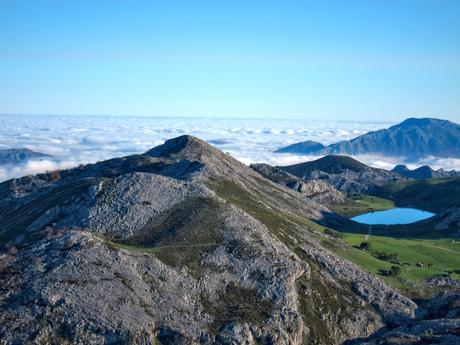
(74, 140)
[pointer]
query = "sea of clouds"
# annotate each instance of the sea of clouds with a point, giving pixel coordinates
(73, 140)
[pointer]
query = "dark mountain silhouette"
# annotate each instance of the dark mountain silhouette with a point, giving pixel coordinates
(332, 164)
(305, 147)
(423, 172)
(16, 156)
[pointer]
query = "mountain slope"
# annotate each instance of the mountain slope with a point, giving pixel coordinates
(412, 139)
(318, 191)
(181, 245)
(435, 195)
(344, 173)
(332, 164)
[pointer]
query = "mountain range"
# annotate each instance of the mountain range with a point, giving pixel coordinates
(423, 172)
(412, 139)
(186, 245)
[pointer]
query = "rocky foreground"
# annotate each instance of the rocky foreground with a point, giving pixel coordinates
(186, 245)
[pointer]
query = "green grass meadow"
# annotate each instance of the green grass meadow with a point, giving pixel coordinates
(362, 204)
(437, 257)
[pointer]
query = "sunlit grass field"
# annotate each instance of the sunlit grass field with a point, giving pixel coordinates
(436, 257)
(362, 204)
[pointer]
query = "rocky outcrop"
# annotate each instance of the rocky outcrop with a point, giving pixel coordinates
(444, 281)
(442, 332)
(123, 205)
(343, 173)
(437, 322)
(394, 308)
(85, 289)
(318, 191)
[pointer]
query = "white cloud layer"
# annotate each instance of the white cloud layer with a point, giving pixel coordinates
(87, 139)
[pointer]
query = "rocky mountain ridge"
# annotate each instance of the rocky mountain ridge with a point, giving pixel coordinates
(181, 245)
(316, 190)
(344, 173)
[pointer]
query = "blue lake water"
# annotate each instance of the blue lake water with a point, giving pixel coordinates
(394, 216)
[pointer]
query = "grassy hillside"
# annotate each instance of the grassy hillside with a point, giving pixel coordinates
(436, 257)
(362, 204)
(435, 195)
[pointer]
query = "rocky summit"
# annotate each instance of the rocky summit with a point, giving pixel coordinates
(186, 245)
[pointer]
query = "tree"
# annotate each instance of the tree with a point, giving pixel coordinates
(395, 270)
(365, 246)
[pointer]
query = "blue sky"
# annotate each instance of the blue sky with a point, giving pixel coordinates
(338, 60)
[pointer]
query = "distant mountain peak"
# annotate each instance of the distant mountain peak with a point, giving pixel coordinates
(305, 147)
(19, 155)
(412, 139)
(422, 122)
(331, 164)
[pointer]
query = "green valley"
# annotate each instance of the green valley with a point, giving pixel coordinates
(418, 259)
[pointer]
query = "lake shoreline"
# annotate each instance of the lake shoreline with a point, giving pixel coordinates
(393, 216)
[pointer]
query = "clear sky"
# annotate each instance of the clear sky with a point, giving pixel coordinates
(361, 60)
